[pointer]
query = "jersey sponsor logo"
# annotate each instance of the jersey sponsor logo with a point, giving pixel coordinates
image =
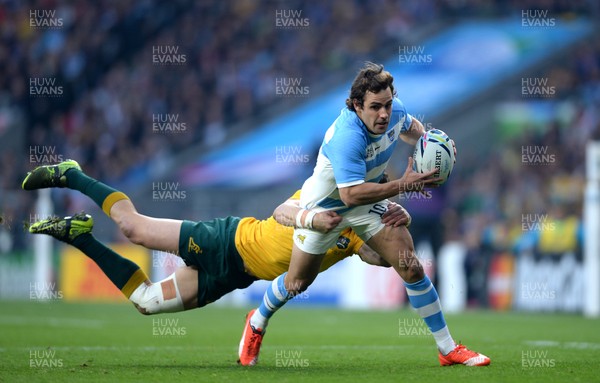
(301, 238)
(371, 150)
(392, 135)
(342, 242)
(193, 247)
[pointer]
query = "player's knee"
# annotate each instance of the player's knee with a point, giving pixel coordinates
(141, 309)
(416, 273)
(126, 226)
(160, 297)
(411, 269)
(131, 229)
(298, 286)
(147, 300)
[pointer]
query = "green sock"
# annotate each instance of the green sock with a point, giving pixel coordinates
(122, 272)
(102, 194)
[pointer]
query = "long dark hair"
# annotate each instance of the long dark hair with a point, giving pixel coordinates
(370, 78)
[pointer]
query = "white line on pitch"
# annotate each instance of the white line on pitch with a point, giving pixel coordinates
(553, 343)
(227, 347)
(51, 321)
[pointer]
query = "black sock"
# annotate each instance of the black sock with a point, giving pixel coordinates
(102, 194)
(122, 272)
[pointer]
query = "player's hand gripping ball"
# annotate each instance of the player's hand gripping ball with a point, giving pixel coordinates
(434, 150)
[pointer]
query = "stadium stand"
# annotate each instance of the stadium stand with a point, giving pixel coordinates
(102, 55)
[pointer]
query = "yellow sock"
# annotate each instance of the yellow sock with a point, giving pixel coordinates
(134, 282)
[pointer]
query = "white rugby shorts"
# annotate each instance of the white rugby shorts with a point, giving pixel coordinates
(365, 220)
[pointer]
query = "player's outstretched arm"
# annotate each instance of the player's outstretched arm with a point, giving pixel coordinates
(370, 192)
(414, 132)
(290, 213)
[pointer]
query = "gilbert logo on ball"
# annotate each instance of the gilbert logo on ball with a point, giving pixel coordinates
(434, 150)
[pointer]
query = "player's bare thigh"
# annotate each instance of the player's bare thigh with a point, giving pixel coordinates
(303, 270)
(153, 233)
(395, 245)
(187, 284)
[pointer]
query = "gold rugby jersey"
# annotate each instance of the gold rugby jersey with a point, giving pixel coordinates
(266, 246)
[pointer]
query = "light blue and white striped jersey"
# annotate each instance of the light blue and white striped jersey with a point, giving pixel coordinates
(351, 155)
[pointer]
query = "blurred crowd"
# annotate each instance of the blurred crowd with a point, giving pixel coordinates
(528, 194)
(108, 57)
(230, 55)
(208, 65)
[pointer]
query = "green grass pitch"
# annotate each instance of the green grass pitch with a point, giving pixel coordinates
(60, 341)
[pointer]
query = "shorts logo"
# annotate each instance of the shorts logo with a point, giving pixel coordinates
(301, 238)
(342, 243)
(193, 247)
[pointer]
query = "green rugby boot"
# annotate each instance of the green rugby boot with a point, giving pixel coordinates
(49, 176)
(64, 229)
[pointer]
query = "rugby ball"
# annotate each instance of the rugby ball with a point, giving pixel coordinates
(434, 150)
